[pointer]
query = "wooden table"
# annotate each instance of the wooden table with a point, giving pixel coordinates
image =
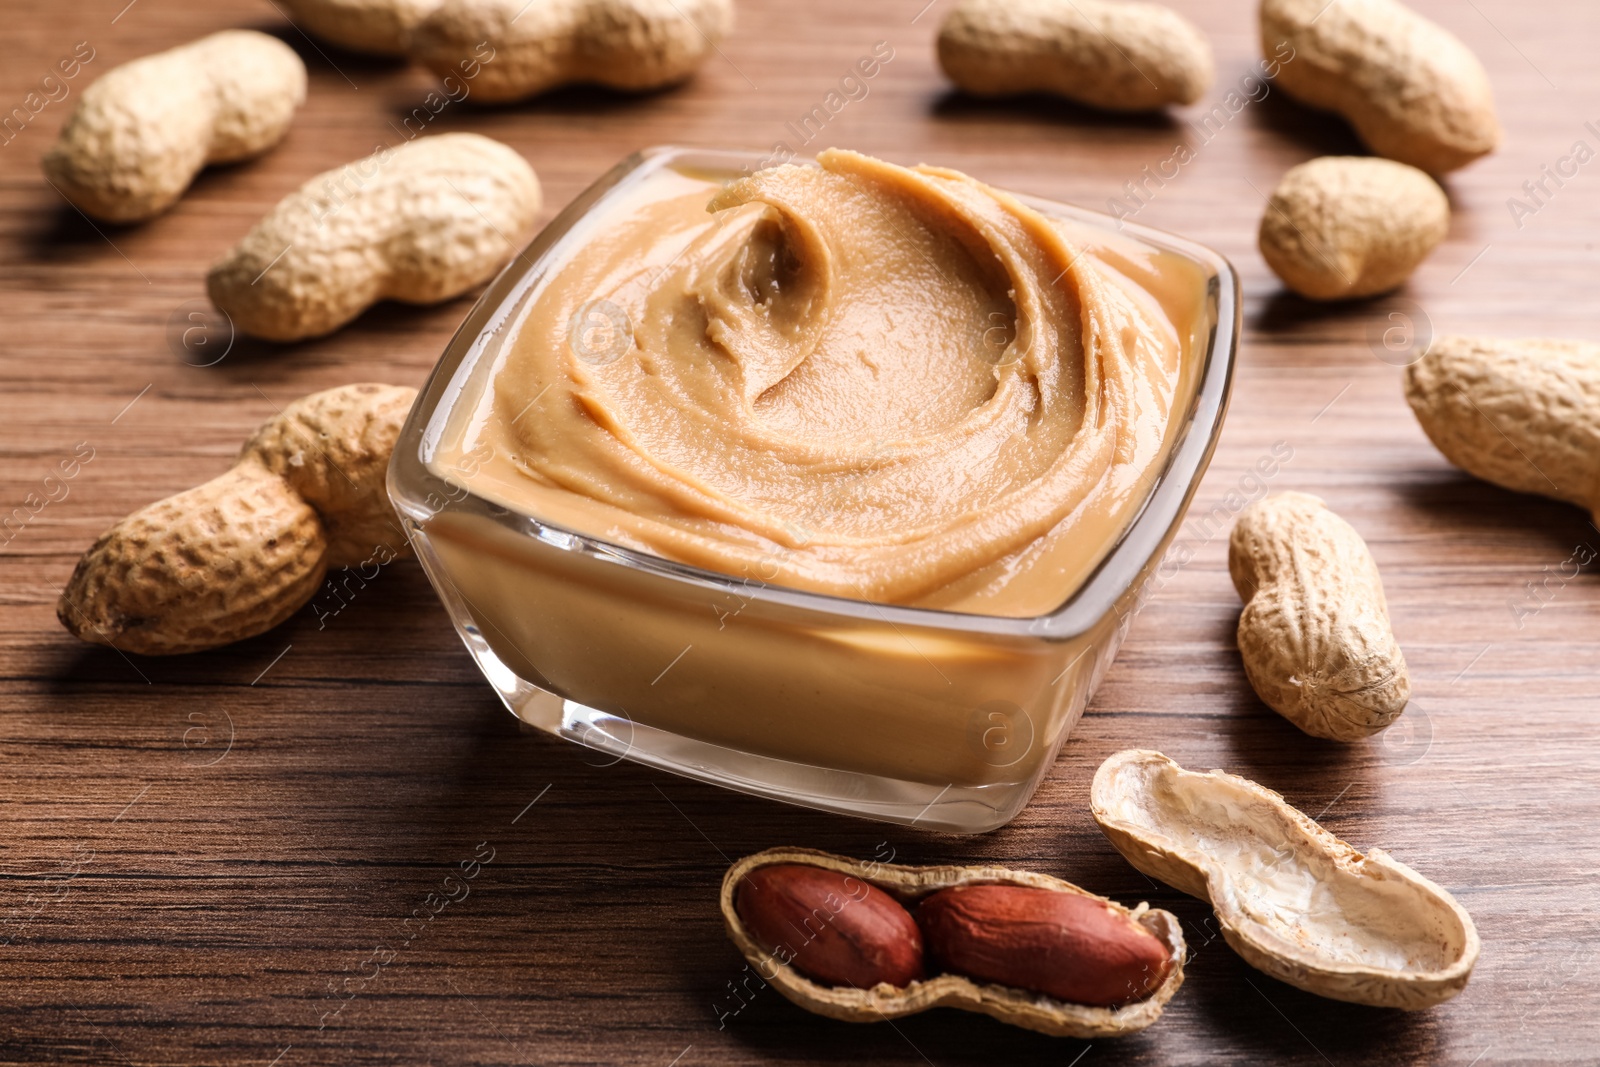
(199, 855)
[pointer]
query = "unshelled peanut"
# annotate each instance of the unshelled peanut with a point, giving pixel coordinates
(517, 50)
(238, 555)
(834, 935)
(141, 133)
(1315, 634)
(1411, 89)
(420, 224)
(377, 27)
(1342, 227)
(1121, 56)
(1523, 414)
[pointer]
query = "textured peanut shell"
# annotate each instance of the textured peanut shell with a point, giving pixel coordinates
(1292, 899)
(1342, 227)
(1314, 634)
(376, 27)
(333, 449)
(420, 224)
(624, 44)
(1410, 88)
(141, 133)
(218, 563)
(1523, 414)
(1119, 56)
(1032, 1011)
(240, 554)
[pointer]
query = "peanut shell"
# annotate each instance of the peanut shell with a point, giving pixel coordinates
(141, 133)
(1523, 414)
(241, 553)
(376, 27)
(218, 563)
(333, 449)
(1314, 634)
(632, 45)
(420, 224)
(1119, 56)
(1292, 899)
(1342, 227)
(1032, 1011)
(1411, 89)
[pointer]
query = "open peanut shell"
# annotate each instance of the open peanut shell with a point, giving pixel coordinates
(1032, 1011)
(1292, 899)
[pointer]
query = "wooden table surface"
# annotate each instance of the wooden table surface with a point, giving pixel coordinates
(208, 859)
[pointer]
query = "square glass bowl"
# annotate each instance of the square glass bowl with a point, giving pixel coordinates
(935, 718)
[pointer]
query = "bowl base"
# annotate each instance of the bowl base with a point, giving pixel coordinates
(952, 809)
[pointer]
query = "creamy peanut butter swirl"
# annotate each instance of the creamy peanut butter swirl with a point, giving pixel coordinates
(883, 383)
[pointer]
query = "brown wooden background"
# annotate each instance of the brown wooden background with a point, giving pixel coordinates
(194, 851)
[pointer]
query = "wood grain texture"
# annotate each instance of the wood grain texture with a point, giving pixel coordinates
(198, 855)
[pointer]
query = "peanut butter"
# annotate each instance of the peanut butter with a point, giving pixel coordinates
(884, 383)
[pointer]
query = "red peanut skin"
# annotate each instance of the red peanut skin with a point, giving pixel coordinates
(834, 928)
(1070, 947)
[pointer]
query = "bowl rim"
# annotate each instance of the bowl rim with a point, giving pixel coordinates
(412, 485)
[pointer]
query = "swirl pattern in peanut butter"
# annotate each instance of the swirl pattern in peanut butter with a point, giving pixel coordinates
(884, 383)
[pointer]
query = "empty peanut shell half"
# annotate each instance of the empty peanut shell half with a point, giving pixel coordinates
(886, 890)
(1296, 902)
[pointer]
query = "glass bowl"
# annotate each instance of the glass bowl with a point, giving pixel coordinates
(941, 719)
